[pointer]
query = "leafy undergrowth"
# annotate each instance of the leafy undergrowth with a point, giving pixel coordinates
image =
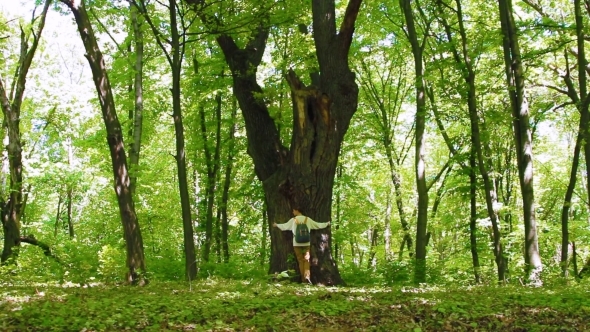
(226, 305)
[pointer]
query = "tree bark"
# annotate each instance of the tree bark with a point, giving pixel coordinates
(337, 245)
(131, 230)
(264, 231)
(523, 139)
(11, 109)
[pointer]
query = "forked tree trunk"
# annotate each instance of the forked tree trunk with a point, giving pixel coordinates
(131, 230)
(523, 139)
(303, 174)
(10, 103)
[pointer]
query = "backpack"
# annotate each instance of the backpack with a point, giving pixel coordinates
(302, 232)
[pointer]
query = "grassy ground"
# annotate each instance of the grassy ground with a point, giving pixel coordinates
(225, 305)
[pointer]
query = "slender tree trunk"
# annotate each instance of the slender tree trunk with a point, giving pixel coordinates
(209, 188)
(217, 231)
(387, 228)
(131, 230)
(11, 109)
(581, 102)
(57, 215)
(419, 163)
(440, 193)
(69, 211)
(582, 81)
(523, 139)
(70, 191)
(227, 184)
(396, 180)
(175, 56)
(137, 116)
(464, 63)
(175, 62)
(473, 215)
(212, 161)
(575, 260)
(372, 261)
(382, 113)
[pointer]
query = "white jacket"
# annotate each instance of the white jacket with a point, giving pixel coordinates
(291, 226)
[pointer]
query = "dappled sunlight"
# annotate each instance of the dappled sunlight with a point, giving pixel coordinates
(223, 304)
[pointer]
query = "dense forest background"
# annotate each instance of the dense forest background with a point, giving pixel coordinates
(464, 161)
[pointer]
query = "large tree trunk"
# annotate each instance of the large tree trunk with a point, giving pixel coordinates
(419, 161)
(131, 230)
(11, 109)
(304, 174)
(523, 139)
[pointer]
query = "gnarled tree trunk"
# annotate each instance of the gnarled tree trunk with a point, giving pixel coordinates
(304, 173)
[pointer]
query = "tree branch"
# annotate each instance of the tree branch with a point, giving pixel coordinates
(30, 239)
(347, 26)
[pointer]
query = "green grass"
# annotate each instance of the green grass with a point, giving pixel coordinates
(229, 305)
